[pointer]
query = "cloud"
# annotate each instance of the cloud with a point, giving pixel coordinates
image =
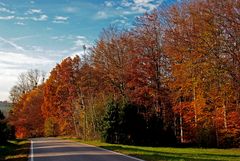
(2, 9)
(23, 37)
(60, 19)
(20, 59)
(6, 17)
(40, 18)
(145, 4)
(109, 3)
(35, 15)
(80, 37)
(22, 18)
(2, 4)
(139, 6)
(68, 37)
(17, 47)
(78, 43)
(48, 28)
(33, 11)
(20, 23)
(101, 15)
(126, 3)
(71, 9)
(12, 64)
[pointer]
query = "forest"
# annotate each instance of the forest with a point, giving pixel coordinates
(173, 78)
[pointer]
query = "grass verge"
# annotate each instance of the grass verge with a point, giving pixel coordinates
(15, 150)
(170, 153)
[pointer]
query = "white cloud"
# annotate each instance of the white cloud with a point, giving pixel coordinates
(21, 18)
(19, 59)
(40, 18)
(6, 17)
(71, 9)
(17, 47)
(48, 28)
(117, 21)
(126, 3)
(101, 15)
(12, 64)
(20, 23)
(2, 4)
(139, 6)
(109, 3)
(60, 19)
(60, 22)
(2, 9)
(23, 37)
(80, 37)
(78, 43)
(123, 20)
(139, 9)
(58, 38)
(33, 11)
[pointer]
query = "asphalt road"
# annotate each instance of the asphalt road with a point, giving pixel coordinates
(55, 149)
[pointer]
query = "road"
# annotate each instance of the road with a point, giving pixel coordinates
(55, 149)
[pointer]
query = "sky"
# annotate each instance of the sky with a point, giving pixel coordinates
(38, 34)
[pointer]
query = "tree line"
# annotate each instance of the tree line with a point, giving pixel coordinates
(172, 78)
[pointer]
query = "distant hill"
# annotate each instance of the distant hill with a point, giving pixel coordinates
(5, 107)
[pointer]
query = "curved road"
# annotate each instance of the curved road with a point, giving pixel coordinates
(54, 149)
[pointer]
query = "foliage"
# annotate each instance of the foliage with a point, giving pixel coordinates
(26, 116)
(176, 72)
(123, 122)
(50, 127)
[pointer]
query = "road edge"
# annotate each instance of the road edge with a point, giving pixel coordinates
(128, 156)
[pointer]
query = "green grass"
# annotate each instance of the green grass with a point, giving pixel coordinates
(16, 150)
(170, 153)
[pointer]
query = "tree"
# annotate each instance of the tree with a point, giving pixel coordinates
(111, 58)
(4, 131)
(26, 116)
(26, 82)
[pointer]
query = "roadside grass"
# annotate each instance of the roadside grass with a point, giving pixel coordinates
(15, 150)
(170, 153)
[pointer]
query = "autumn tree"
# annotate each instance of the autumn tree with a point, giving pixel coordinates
(201, 63)
(60, 93)
(26, 115)
(111, 59)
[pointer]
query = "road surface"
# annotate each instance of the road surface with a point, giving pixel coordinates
(55, 149)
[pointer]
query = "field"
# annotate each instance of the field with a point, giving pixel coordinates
(16, 150)
(170, 153)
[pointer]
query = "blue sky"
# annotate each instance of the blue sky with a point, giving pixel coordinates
(37, 34)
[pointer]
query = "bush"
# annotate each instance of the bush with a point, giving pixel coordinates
(111, 123)
(4, 130)
(123, 123)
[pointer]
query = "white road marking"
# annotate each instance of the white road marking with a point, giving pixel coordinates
(114, 152)
(32, 151)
